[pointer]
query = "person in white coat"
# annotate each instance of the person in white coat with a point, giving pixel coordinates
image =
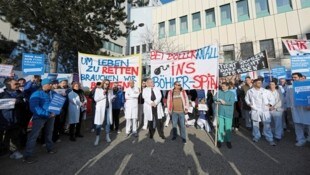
(76, 111)
(300, 114)
(153, 110)
(131, 108)
(276, 110)
(260, 100)
(103, 98)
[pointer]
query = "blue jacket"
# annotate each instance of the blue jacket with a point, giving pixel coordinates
(39, 103)
(119, 100)
(29, 88)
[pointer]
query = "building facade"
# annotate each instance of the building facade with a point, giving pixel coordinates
(241, 28)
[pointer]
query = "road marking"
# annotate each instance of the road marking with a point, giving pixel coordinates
(123, 164)
(152, 152)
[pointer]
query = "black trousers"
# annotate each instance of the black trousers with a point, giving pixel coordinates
(115, 118)
(159, 124)
(57, 128)
(10, 139)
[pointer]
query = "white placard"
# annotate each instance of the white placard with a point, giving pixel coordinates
(7, 103)
(202, 107)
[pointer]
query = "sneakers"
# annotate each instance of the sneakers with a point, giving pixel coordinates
(16, 155)
(300, 143)
(92, 130)
(29, 160)
(135, 134)
(219, 144)
(173, 138)
(108, 138)
(229, 146)
(58, 141)
(255, 140)
(79, 135)
(184, 141)
(96, 141)
(272, 143)
(51, 151)
(119, 131)
(144, 127)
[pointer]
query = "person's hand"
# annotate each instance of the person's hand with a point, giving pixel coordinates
(153, 104)
(122, 108)
(52, 115)
(186, 111)
(222, 101)
(271, 108)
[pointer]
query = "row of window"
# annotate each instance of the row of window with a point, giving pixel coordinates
(113, 47)
(261, 7)
(144, 48)
(246, 49)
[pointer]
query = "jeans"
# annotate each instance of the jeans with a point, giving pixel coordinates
(247, 116)
(176, 116)
(300, 131)
(266, 129)
(277, 122)
(107, 123)
(37, 125)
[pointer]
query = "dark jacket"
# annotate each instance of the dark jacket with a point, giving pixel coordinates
(119, 100)
(10, 118)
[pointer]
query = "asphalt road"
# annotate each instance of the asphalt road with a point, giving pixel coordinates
(135, 156)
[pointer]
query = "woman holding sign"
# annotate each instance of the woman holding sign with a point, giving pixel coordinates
(225, 99)
(76, 110)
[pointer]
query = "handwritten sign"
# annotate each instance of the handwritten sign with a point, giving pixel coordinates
(33, 64)
(254, 63)
(194, 69)
(120, 70)
(297, 46)
(302, 93)
(301, 64)
(6, 70)
(56, 104)
(279, 72)
(7, 103)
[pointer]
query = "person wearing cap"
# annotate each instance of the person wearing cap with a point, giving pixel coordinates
(39, 103)
(32, 85)
(261, 101)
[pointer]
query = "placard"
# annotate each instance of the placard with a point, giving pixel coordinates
(302, 93)
(7, 103)
(56, 104)
(33, 64)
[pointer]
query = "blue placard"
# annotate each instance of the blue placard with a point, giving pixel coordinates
(33, 64)
(56, 104)
(288, 74)
(302, 93)
(267, 77)
(301, 64)
(279, 72)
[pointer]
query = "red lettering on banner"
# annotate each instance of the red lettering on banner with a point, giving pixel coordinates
(296, 44)
(93, 85)
(121, 70)
(182, 55)
(155, 55)
(190, 68)
(120, 83)
(205, 81)
(180, 69)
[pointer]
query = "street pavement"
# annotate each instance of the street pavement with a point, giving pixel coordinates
(144, 156)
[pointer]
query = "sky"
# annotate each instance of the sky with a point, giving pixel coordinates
(165, 1)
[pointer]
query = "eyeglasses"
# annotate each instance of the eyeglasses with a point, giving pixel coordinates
(177, 84)
(107, 83)
(16, 84)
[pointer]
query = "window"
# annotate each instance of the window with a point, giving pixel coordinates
(285, 51)
(150, 46)
(284, 6)
(132, 50)
(196, 21)
(210, 18)
(114, 47)
(262, 8)
(137, 49)
(161, 30)
(143, 48)
(305, 3)
(183, 25)
(269, 46)
(229, 53)
(172, 28)
(308, 36)
(246, 50)
(118, 49)
(225, 14)
(243, 10)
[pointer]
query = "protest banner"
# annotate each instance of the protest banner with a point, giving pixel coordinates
(302, 93)
(194, 69)
(254, 63)
(56, 104)
(279, 72)
(33, 64)
(120, 70)
(6, 70)
(301, 64)
(297, 46)
(7, 103)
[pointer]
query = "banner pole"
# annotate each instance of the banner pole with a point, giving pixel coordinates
(270, 76)
(217, 106)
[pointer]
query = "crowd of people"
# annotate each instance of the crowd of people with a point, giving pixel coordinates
(270, 106)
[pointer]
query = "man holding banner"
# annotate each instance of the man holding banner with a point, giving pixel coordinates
(300, 114)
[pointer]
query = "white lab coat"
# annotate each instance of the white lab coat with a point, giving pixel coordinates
(131, 105)
(258, 100)
(300, 114)
(147, 93)
(100, 99)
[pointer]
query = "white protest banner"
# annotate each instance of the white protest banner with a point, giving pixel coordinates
(202, 107)
(194, 69)
(297, 46)
(120, 70)
(6, 70)
(7, 103)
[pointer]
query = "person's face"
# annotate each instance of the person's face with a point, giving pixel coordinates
(47, 87)
(282, 81)
(296, 78)
(63, 84)
(224, 87)
(131, 84)
(14, 85)
(37, 79)
(55, 86)
(115, 88)
(76, 87)
(258, 84)
(272, 85)
(143, 84)
(150, 83)
(21, 82)
(177, 85)
(106, 85)
(248, 81)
